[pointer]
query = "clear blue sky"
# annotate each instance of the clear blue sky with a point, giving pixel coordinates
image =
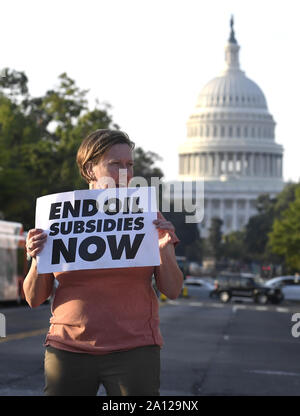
(150, 59)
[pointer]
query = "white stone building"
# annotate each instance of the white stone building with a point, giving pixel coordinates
(231, 144)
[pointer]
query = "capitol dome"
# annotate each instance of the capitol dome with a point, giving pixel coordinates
(232, 89)
(231, 145)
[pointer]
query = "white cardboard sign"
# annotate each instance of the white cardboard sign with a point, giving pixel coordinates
(98, 229)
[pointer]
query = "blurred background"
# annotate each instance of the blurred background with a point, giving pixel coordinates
(207, 91)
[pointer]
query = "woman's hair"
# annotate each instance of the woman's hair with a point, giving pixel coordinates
(95, 145)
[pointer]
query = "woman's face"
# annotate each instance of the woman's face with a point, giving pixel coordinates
(114, 169)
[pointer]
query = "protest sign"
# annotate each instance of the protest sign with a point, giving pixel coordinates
(96, 229)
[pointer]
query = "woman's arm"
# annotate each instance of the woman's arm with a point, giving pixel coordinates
(37, 288)
(168, 275)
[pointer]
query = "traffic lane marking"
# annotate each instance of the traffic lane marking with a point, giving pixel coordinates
(274, 373)
(22, 335)
(235, 308)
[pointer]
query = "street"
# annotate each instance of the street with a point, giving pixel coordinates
(210, 349)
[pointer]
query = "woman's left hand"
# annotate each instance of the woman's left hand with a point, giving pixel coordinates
(163, 227)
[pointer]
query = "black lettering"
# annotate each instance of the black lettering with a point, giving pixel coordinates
(128, 224)
(78, 227)
(109, 225)
(120, 223)
(90, 226)
(55, 211)
(107, 206)
(89, 207)
(100, 248)
(126, 205)
(69, 253)
(139, 223)
(54, 228)
(135, 209)
(66, 230)
(68, 208)
(99, 226)
(124, 244)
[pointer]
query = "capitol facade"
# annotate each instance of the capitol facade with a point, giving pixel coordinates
(231, 145)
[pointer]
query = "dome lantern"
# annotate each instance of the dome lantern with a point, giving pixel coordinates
(232, 50)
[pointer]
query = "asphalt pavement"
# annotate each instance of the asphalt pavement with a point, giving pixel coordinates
(210, 349)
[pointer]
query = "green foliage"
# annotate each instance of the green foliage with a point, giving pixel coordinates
(214, 240)
(234, 246)
(188, 234)
(285, 234)
(39, 138)
(258, 227)
(144, 164)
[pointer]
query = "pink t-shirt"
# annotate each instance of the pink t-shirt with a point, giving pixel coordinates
(105, 310)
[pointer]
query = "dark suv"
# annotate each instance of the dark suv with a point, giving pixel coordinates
(242, 285)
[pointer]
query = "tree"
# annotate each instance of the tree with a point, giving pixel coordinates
(258, 227)
(188, 234)
(144, 164)
(285, 234)
(234, 246)
(39, 138)
(214, 240)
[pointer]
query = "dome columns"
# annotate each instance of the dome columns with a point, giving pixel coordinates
(213, 164)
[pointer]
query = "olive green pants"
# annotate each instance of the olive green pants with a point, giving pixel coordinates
(124, 373)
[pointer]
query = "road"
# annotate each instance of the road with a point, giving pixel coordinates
(210, 349)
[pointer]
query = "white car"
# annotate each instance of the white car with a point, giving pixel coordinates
(289, 285)
(198, 287)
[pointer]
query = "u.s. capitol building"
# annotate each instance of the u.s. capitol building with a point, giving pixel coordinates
(231, 144)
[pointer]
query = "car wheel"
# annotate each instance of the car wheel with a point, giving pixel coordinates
(276, 300)
(261, 298)
(224, 296)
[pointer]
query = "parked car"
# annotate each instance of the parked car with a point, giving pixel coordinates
(289, 285)
(244, 285)
(198, 287)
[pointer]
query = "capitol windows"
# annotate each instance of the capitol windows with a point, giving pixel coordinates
(259, 131)
(228, 204)
(241, 204)
(265, 132)
(246, 131)
(228, 221)
(201, 131)
(238, 131)
(241, 221)
(207, 131)
(215, 131)
(216, 204)
(222, 131)
(253, 132)
(230, 131)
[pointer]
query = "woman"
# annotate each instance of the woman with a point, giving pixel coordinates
(105, 324)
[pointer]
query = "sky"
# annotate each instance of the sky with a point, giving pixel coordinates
(149, 59)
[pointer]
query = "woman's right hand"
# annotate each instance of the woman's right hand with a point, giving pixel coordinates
(35, 241)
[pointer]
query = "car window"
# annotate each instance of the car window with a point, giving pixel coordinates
(246, 283)
(234, 281)
(199, 284)
(287, 282)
